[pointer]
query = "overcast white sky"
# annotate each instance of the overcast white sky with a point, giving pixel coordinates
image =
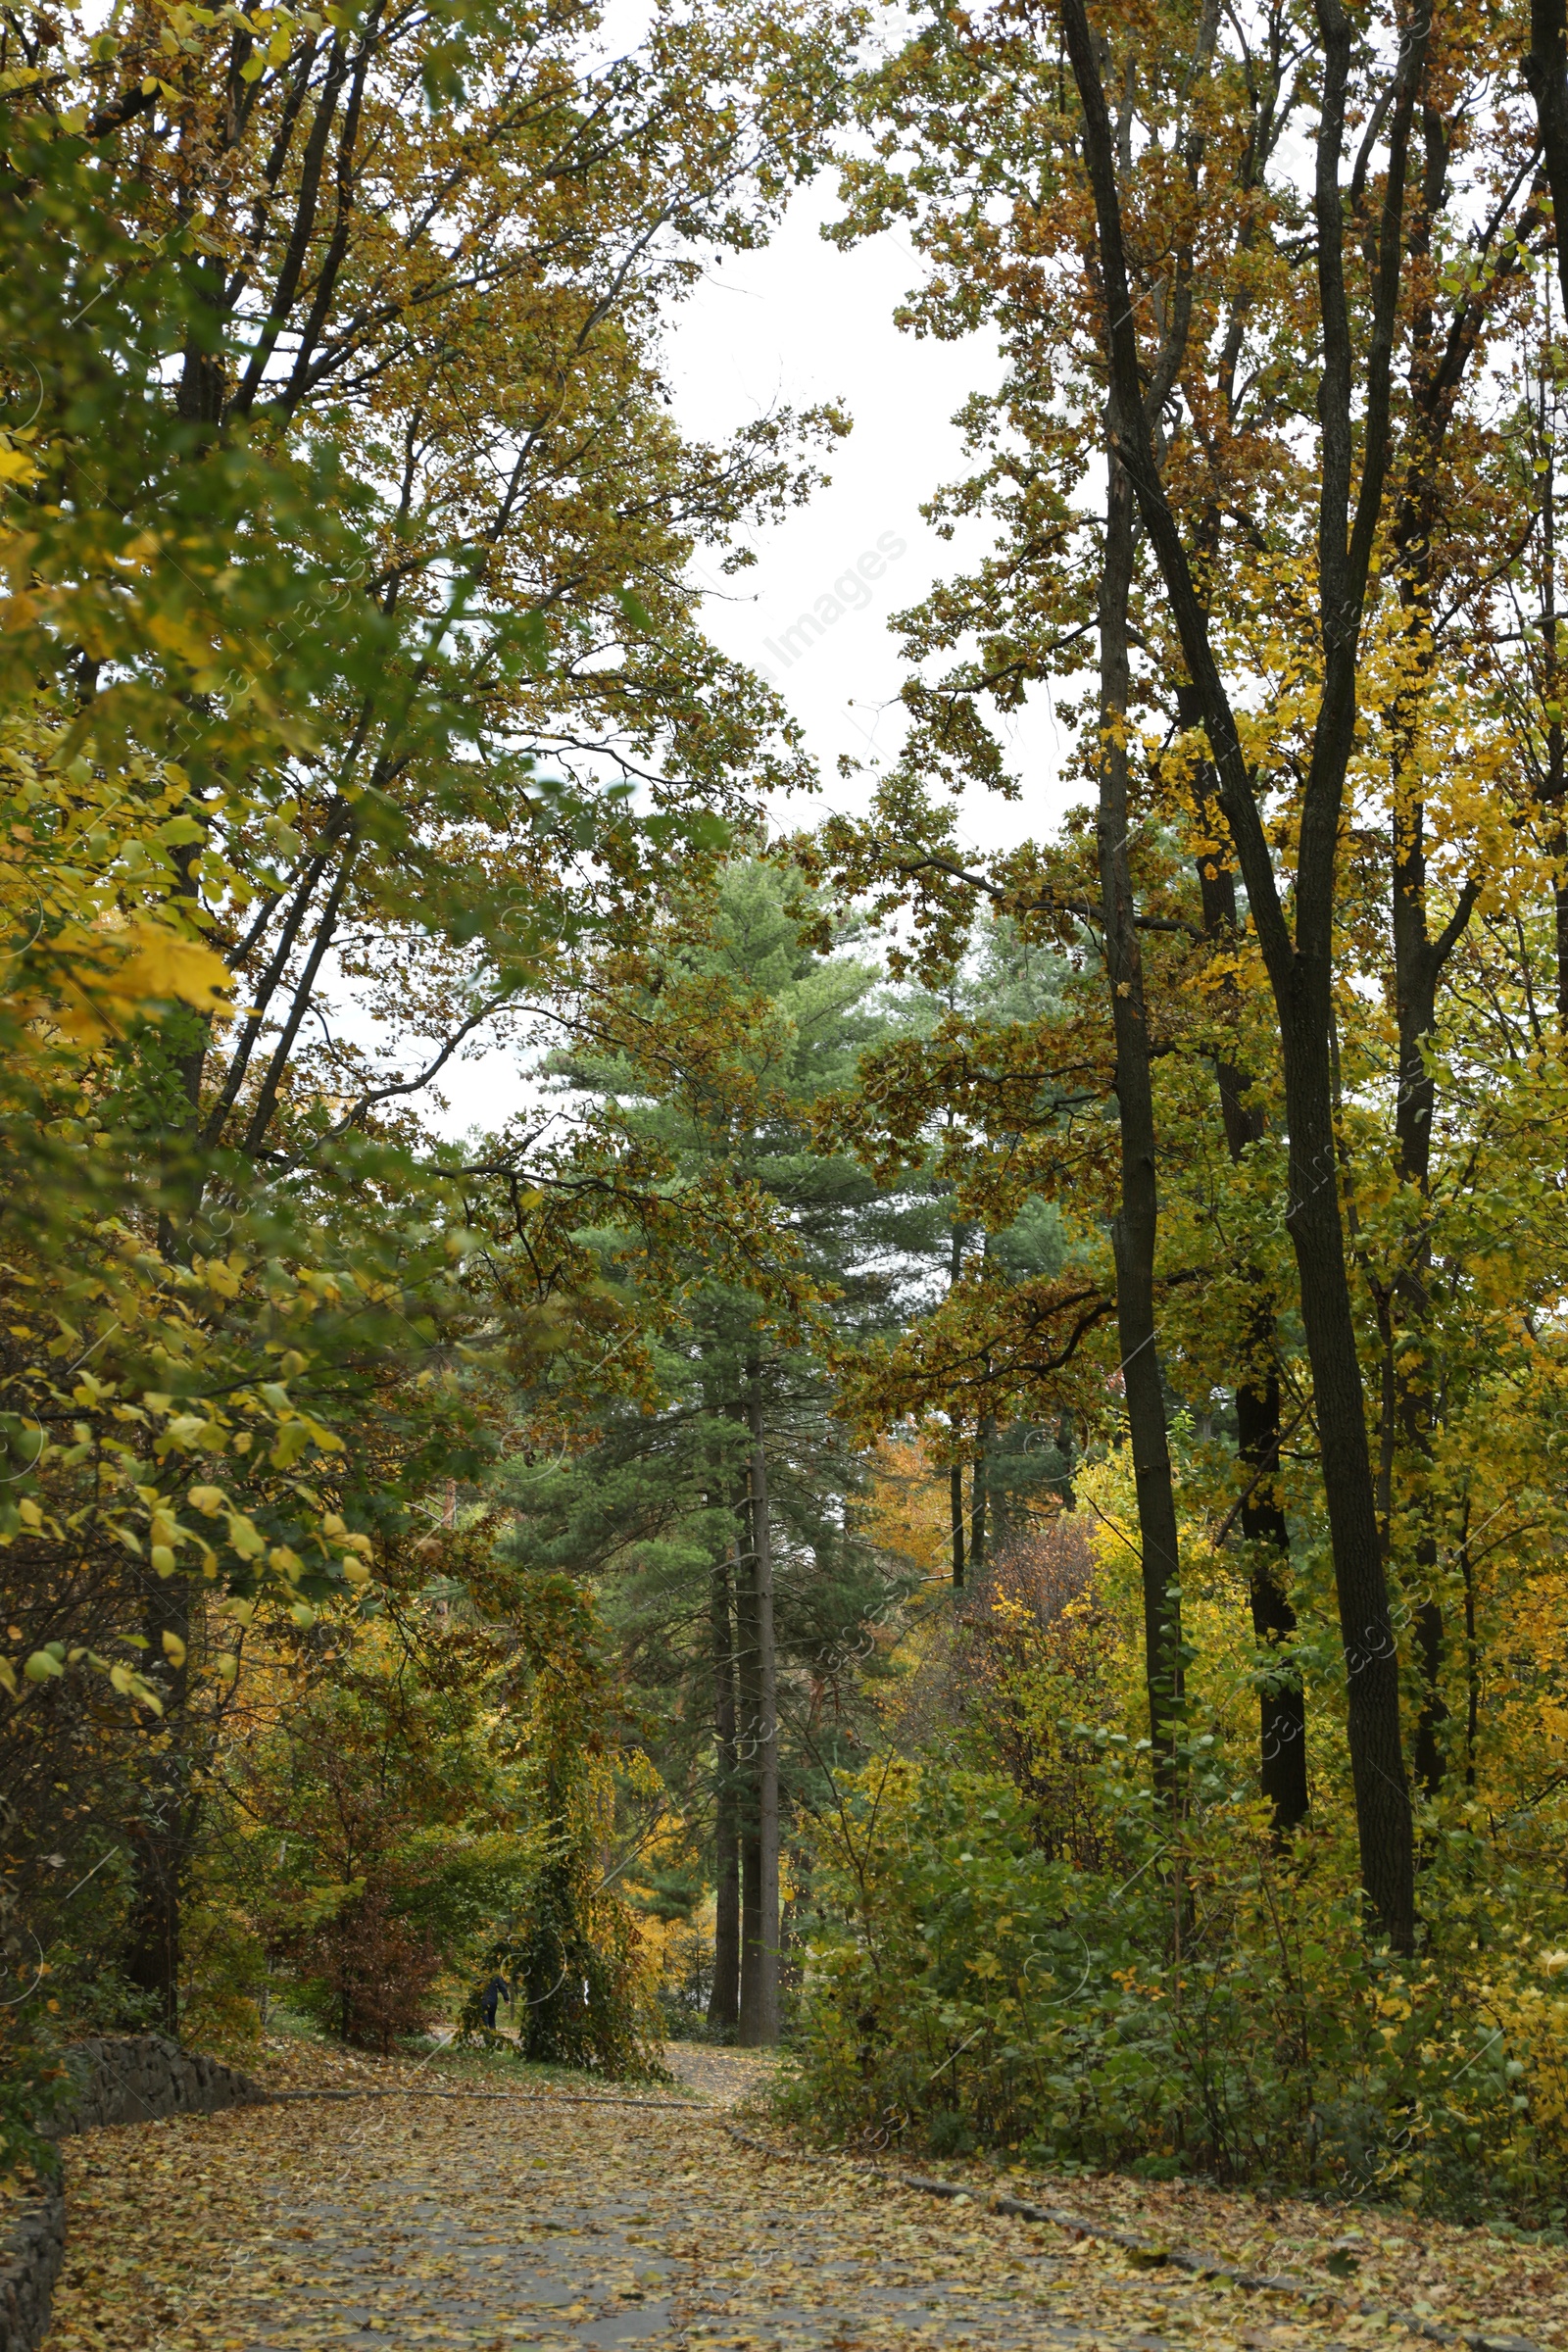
(794, 324)
(801, 322)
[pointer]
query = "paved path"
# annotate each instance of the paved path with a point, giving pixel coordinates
(493, 2226)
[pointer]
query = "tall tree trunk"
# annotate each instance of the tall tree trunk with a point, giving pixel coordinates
(1472, 1653)
(760, 1929)
(151, 1961)
(980, 1492)
(1136, 1226)
(1281, 1694)
(986, 1516)
(1410, 1399)
(955, 1472)
(1281, 1697)
(1554, 786)
(724, 2005)
(1409, 1386)
(1546, 72)
(1384, 1820)
(1067, 1448)
(747, 1807)
(977, 1508)
(955, 1516)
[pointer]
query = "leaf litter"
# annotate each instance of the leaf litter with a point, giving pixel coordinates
(491, 2224)
(1466, 2279)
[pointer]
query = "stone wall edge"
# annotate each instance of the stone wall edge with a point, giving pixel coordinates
(116, 2079)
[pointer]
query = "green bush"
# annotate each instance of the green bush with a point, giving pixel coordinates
(1199, 2005)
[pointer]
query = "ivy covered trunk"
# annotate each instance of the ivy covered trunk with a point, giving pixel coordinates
(577, 1987)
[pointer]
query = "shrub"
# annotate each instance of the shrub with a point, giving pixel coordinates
(1200, 2006)
(370, 1973)
(1038, 1651)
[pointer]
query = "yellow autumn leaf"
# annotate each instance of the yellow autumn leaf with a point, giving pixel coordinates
(111, 977)
(161, 965)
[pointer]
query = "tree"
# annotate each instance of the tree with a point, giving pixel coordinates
(1055, 579)
(998, 979)
(1298, 952)
(720, 1523)
(364, 1816)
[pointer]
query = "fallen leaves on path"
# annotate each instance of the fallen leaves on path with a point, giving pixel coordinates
(1461, 2279)
(489, 2225)
(732, 2076)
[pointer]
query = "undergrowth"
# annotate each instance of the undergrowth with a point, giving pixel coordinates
(1197, 2004)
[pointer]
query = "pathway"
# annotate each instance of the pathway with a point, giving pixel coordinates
(492, 2226)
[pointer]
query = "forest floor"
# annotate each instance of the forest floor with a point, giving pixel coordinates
(561, 2216)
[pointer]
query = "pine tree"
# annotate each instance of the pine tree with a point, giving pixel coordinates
(721, 1524)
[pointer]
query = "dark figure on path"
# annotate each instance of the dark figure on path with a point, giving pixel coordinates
(498, 1990)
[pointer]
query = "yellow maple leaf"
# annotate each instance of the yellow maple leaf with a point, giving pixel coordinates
(114, 977)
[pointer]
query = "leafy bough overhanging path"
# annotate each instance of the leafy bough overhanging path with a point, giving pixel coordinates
(491, 2221)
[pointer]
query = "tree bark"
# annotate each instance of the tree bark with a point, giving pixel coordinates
(759, 1936)
(1134, 1230)
(1410, 1403)
(979, 1493)
(1281, 1693)
(1472, 1653)
(1281, 1696)
(724, 2005)
(955, 1473)
(956, 1515)
(746, 1810)
(1555, 784)
(1410, 1406)
(1546, 72)
(1066, 1448)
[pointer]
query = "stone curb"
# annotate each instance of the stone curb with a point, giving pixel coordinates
(1201, 2265)
(30, 2254)
(134, 2079)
